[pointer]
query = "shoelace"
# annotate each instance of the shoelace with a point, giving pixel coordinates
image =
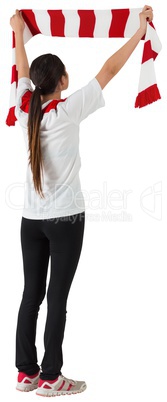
(69, 381)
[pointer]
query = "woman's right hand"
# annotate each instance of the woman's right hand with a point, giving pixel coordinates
(146, 15)
(17, 22)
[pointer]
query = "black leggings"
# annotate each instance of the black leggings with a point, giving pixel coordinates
(61, 239)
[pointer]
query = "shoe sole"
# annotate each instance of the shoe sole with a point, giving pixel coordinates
(59, 393)
(27, 389)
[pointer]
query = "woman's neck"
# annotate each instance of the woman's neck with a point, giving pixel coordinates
(54, 95)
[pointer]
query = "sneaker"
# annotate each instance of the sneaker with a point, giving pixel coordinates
(26, 382)
(60, 386)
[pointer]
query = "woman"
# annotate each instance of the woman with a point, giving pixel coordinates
(54, 212)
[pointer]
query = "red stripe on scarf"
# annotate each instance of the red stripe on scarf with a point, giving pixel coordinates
(148, 52)
(57, 22)
(14, 76)
(13, 40)
(152, 25)
(30, 20)
(87, 23)
(118, 23)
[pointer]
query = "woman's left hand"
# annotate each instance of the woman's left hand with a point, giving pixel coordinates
(145, 16)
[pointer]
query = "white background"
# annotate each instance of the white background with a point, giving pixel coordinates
(116, 332)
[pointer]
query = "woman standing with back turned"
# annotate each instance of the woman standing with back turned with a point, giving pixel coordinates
(53, 218)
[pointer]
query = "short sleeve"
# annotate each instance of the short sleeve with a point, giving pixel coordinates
(24, 92)
(84, 102)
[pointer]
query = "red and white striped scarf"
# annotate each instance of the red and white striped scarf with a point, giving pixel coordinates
(115, 23)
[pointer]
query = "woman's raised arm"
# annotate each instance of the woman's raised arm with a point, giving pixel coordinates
(118, 59)
(17, 24)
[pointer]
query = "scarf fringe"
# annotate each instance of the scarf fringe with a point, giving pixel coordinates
(148, 96)
(11, 118)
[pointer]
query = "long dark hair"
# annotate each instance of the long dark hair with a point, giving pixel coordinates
(45, 73)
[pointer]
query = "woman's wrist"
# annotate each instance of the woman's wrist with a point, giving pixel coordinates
(141, 31)
(19, 33)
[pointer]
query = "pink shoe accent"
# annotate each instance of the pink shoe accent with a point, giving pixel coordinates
(47, 386)
(22, 375)
(70, 386)
(61, 386)
(41, 382)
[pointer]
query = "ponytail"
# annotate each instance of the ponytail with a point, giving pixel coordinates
(35, 155)
(45, 73)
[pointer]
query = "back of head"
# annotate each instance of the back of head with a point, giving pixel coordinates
(45, 73)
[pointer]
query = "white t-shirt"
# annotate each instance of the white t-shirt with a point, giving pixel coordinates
(59, 138)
